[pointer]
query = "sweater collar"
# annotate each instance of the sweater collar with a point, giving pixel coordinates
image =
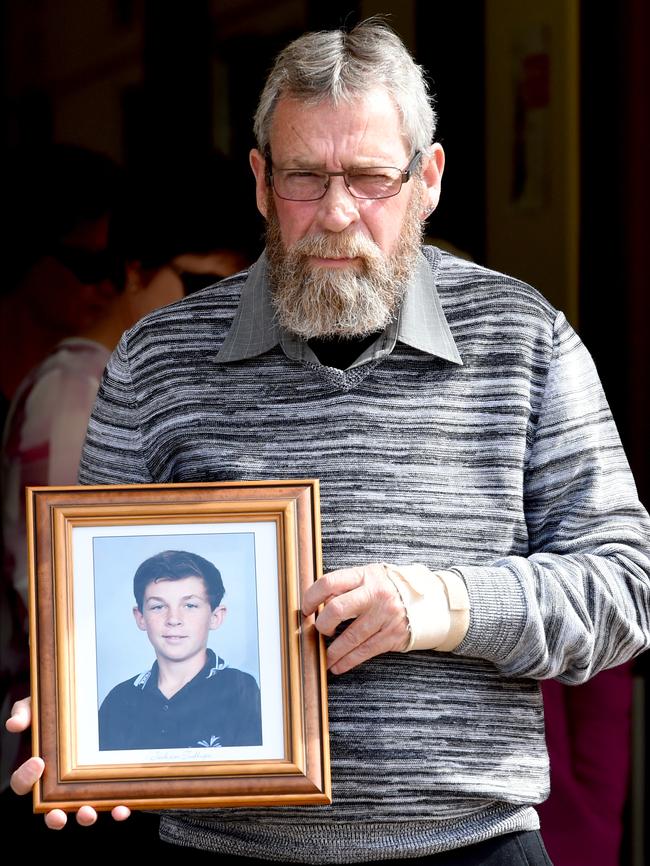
(421, 323)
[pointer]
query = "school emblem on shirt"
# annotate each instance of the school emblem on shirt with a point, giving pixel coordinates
(213, 744)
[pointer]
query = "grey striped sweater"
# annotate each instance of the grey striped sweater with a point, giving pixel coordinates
(508, 468)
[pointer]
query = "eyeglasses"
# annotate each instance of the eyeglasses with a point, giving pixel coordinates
(298, 184)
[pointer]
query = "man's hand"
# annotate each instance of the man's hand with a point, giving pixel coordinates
(369, 597)
(28, 774)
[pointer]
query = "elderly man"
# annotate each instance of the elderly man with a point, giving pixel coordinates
(480, 526)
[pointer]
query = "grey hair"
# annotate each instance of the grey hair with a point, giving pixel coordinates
(339, 66)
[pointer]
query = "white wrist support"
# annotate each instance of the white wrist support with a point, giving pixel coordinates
(436, 604)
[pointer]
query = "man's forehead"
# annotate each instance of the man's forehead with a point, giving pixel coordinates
(368, 128)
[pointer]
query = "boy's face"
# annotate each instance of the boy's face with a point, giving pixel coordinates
(176, 616)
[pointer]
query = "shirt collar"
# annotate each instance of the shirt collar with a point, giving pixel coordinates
(421, 323)
(213, 664)
(254, 329)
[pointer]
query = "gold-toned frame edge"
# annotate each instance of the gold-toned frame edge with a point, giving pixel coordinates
(65, 520)
(314, 785)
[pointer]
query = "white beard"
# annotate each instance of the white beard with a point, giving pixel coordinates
(346, 302)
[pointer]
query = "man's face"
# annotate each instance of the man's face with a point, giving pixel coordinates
(339, 264)
(177, 617)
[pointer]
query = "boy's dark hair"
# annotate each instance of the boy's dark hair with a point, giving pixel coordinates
(175, 565)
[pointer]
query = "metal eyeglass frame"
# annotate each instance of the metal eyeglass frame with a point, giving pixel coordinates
(405, 176)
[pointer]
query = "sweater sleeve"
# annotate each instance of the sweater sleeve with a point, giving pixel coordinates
(580, 601)
(113, 452)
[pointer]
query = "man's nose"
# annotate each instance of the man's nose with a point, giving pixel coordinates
(338, 209)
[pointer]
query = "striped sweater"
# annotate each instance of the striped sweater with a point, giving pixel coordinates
(507, 467)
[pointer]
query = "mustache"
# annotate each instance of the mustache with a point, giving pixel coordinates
(335, 246)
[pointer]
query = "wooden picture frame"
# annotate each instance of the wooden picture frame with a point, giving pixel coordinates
(84, 545)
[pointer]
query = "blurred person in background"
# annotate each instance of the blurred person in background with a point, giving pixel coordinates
(56, 282)
(56, 279)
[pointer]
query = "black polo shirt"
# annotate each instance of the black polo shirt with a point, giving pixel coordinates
(219, 707)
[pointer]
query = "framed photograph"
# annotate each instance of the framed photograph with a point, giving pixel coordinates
(171, 664)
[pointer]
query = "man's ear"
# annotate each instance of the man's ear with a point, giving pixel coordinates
(139, 619)
(433, 165)
(217, 617)
(258, 164)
